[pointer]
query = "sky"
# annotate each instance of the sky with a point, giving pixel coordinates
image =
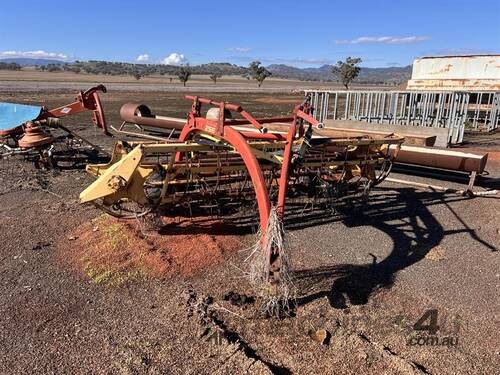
(299, 33)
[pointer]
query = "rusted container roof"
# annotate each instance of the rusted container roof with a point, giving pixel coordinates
(470, 72)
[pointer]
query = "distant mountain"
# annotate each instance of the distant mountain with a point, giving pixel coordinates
(26, 61)
(323, 73)
(287, 71)
(392, 74)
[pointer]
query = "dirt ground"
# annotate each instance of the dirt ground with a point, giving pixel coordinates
(85, 294)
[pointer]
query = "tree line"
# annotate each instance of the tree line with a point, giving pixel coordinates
(344, 71)
(143, 70)
(254, 71)
(9, 66)
(216, 71)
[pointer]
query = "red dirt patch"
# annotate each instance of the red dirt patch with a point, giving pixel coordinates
(112, 250)
(494, 156)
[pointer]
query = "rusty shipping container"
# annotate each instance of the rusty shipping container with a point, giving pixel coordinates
(456, 73)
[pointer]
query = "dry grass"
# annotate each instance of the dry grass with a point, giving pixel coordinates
(278, 294)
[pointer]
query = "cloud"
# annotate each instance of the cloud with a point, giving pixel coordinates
(40, 54)
(174, 59)
(384, 40)
(143, 58)
(239, 49)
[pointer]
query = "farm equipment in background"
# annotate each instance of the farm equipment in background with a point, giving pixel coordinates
(140, 122)
(25, 130)
(236, 165)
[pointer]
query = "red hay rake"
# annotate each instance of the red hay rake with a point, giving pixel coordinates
(221, 161)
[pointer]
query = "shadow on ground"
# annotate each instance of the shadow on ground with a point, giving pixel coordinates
(402, 214)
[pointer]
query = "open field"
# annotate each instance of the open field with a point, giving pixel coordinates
(366, 275)
(17, 80)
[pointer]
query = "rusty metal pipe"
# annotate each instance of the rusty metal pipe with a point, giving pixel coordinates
(443, 159)
(140, 114)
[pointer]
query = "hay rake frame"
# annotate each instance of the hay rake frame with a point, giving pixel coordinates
(217, 149)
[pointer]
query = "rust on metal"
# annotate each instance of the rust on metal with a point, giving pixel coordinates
(35, 136)
(140, 114)
(85, 100)
(225, 162)
(472, 72)
(442, 159)
(32, 138)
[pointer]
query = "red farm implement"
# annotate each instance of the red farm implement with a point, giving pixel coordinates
(226, 163)
(26, 129)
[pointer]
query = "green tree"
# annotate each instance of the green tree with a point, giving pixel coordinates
(215, 76)
(346, 71)
(9, 66)
(258, 72)
(137, 76)
(53, 68)
(184, 73)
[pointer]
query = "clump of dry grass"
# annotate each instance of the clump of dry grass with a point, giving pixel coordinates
(150, 222)
(278, 295)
